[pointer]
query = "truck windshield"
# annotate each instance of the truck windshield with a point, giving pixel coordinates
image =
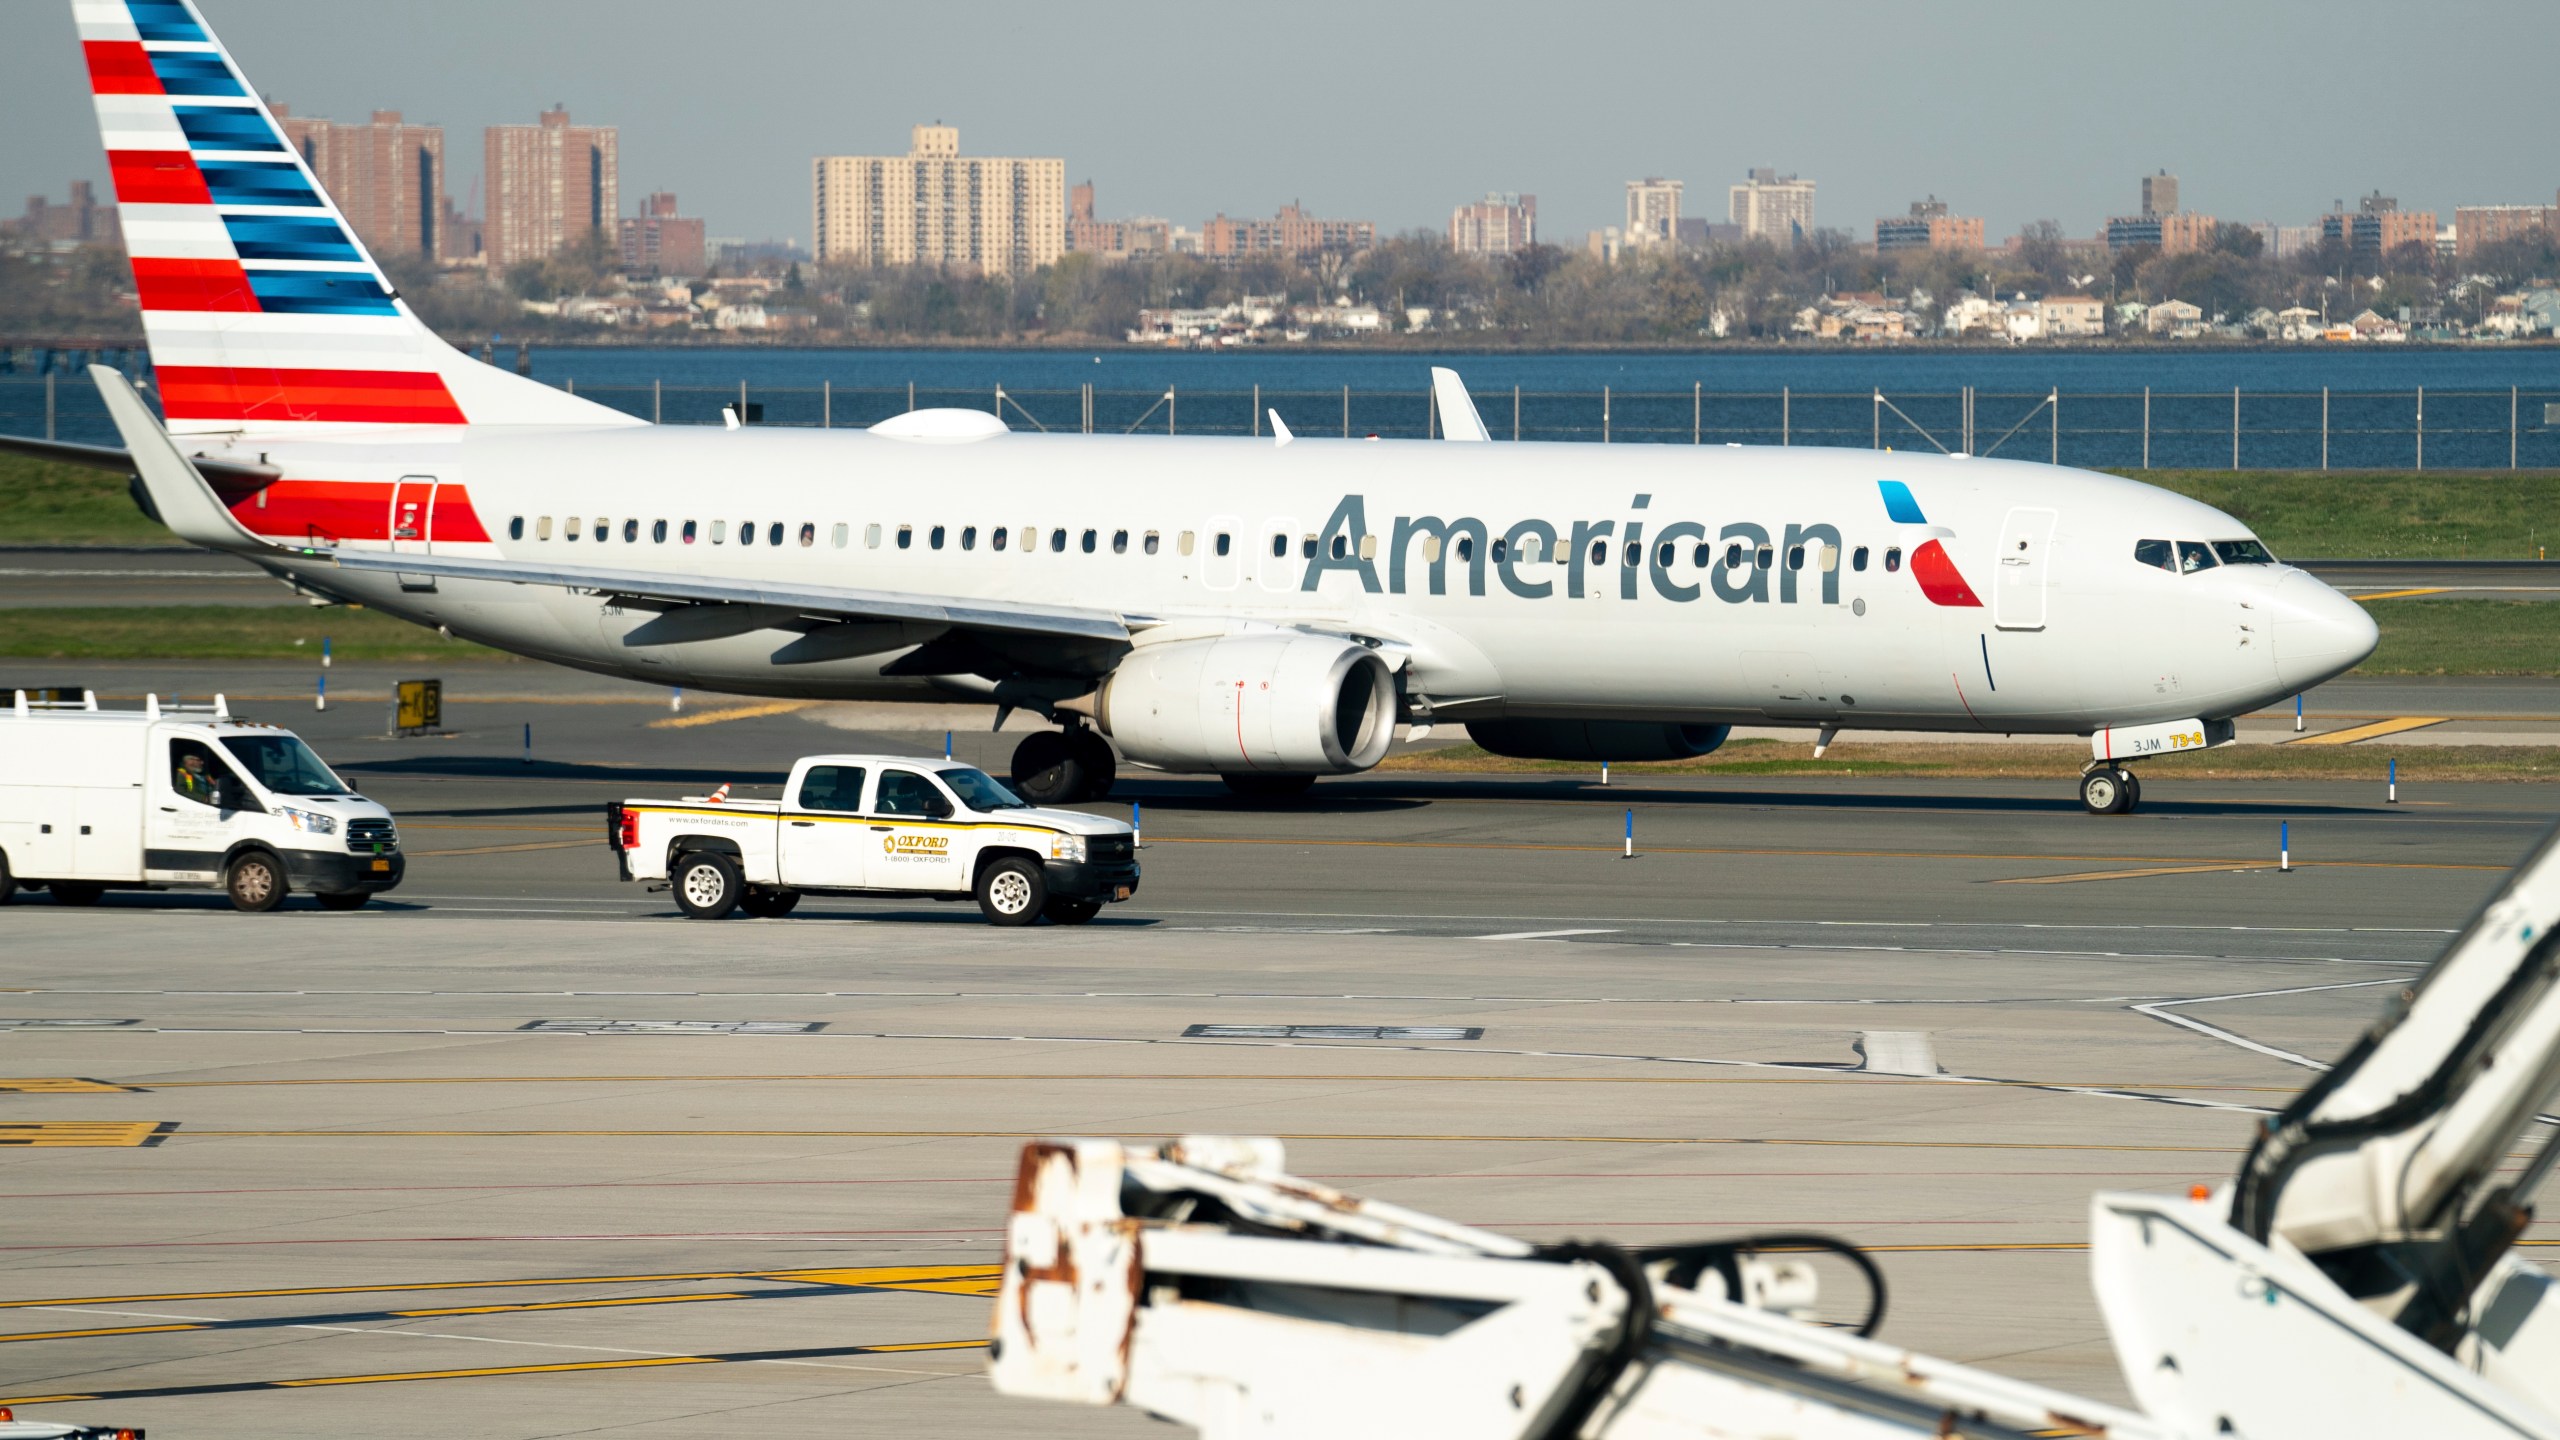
(979, 791)
(283, 764)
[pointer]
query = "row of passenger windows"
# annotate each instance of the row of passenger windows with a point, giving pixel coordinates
(1027, 540)
(2186, 557)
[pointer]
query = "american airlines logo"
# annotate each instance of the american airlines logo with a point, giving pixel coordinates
(1739, 561)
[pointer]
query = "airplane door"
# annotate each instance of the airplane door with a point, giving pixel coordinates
(2017, 588)
(413, 515)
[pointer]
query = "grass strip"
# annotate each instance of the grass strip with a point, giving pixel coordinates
(224, 632)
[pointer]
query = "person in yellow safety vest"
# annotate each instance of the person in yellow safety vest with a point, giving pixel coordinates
(191, 779)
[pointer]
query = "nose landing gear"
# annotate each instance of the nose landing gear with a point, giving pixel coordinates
(2109, 789)
(1061, 767)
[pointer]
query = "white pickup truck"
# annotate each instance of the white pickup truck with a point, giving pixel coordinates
(878, 825)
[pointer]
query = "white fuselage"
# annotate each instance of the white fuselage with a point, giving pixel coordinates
(2070, 631)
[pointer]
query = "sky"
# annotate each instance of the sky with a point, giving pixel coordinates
(1397, 112)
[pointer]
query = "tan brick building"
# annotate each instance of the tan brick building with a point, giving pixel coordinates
(386, 174)
(549, 184)
(2478, 225)
(1929, 226)
(934, 206)
(1291, 232)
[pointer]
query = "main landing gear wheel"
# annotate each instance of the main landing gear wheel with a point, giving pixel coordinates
(1047, 770)
(1012, 891)
(766, 904)
(2109, 791)
(1269, 787)
(707, 885)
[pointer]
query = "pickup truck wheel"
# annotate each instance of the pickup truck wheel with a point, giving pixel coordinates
(71, 892)
(1101, 767)
(1047, 769)
(707, 885)
(255, 883)
(1012, 892)
(8, 880)
(1071, 912)
(352, 900)
(768, 904)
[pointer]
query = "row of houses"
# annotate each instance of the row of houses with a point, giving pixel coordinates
(727, 304)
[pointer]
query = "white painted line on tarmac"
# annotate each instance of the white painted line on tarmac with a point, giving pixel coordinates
(1534, 935)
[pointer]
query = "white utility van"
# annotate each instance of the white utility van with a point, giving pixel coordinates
(180, 797)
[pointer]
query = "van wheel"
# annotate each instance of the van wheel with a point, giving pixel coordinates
(707, 885)
(255, 883)
(1012, 892)
(768, 904)
(69, 892)
(1071, 912)
(352, 900)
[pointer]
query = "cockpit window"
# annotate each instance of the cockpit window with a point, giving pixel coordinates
(2194, 555)
(2155, 552)
(2242, 552)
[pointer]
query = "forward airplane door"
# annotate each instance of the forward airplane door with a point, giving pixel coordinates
(2017, 589)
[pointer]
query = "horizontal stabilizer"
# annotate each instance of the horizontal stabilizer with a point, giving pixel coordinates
(179, 493)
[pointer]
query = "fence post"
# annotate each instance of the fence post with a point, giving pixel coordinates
(1604, 414)
(657, 402)
(1697, 403)
(911, 395)
(2054, 403)
(1257, 410)
(1515, 414)
(570, 384)
(1875, 421)
(2422, 427)
(1168, 410)
(2146, 427)
(1346, 412)
(1786, 416)
(48, 404)
(2235, 427)
(2324, 427)
(742, 401)
(1431, 413)
(826, 404)
(2511, 426)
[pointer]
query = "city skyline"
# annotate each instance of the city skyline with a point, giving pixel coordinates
(2024, 143)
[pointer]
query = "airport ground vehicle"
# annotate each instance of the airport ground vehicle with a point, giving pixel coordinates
(1272, 625)
(180, 797)
(12, 1428)
(2357, 1277)
(878, 825)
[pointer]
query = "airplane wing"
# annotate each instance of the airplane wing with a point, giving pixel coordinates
(816, 600)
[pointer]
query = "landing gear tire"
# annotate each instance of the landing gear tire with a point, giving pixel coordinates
(766, 904)
(2132, 792)
(352, 900)
(1269, 787)
(68, 892)
(1101, 767)
(254, 882)
(1071, 912)
(1047, 769)
(1012, 891)
(707, 885)
(2107, 791)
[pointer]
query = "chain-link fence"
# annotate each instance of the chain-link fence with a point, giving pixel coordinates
(2467, 429)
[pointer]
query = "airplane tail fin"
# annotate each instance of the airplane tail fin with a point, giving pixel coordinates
(264, 311)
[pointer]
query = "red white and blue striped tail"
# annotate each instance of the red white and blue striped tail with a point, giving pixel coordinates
(264, 312)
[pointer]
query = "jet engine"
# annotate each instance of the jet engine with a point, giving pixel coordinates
(1595, 740)
(1278, 703)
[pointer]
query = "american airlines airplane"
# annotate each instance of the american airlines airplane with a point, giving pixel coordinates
(1266, 610)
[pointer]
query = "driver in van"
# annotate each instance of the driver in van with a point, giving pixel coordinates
(191, 780)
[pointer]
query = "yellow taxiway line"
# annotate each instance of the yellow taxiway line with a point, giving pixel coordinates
(2374, 731)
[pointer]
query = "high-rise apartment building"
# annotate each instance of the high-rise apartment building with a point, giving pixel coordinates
(2378, 226)
(2477, 225)
(1773, 207)
(82, 222)
(1291, 232)
(386, 175)
(934, 206)
(549, 184)
(1499, 224)
(1929, 227)
(1653, 213)
(2171, 234)
(2160, 194)
(658, 241)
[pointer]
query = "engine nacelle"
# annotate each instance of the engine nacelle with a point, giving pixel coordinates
(1596, 740)
(1273, 703)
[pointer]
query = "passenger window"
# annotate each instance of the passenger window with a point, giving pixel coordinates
(1892, 559)
(688, 532)
(968, 537)
(1120, 542)
(515, 528)
(1031, 539)
(1733, 556)
(542, 528)
(570, 530)
(773, 534)
(604, 531)
(746, 532)
(1858, 558)
(1306, 547)
(833, 788)
(658, 532)
(1635, 554)
(630, 532)
(1795, 557)
(1058, 542)
(904, 792)
(1430, 549)
(1342, 548)
(906, 537)
(1599, 552)
(839, 535)
(2158, 554)
(2194, 556)
(1093, 538)
(933, 537)
(1152, 542)
(1499, 550)
(808, 534)
(1702, 555)
(1830, 558)
(997, 537)
(1279, 547)
(719, 532)
(1465, 549)
(870, 537)
(1223, 542)
(1666, 554)
(1765, 557)
(1368, 547)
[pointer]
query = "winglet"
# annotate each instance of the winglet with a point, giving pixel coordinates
(1458, 417)
(179, 494)
(1280, 430)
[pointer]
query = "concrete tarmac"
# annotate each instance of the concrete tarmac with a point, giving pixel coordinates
(518, 1151)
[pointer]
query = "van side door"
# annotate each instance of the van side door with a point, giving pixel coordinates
(824, 839)
(915, 844)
